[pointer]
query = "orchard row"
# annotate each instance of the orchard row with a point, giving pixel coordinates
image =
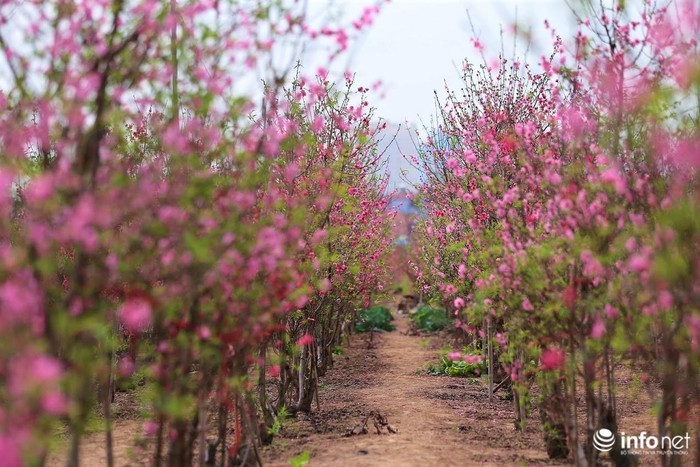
(155, 222)
(563, 222)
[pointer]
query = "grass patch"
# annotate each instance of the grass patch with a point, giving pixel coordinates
(373, 318)
(300, 460)
(425, 343)
(447, 367)
(430, 319)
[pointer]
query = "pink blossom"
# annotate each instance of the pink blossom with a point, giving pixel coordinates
(46, 369)
(306, 339)
(637, 220)
(125, 367)
(150, 427)
(204, 332)
(317, 124)
(11, 450)
(501, 338)
(319, 236)
(473, 358)
(454, 356)
(552, 359)
(462, 271)
(553, 177)
(591, 267)
(650, 310)
(21, 300)
(274, 371)
(566, 204)
(688, 151)
(42, 188)
(324, 285)
(174, 140)
(459, 303)
(135, 314)
(527, 305)
(469, 156)
(611, 311)
(638, 263)
(301, 301)
(54, 403)
(693, 323)
(665, 300)
(615, 178)
(598, 329)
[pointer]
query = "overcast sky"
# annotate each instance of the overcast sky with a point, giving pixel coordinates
(416, 45)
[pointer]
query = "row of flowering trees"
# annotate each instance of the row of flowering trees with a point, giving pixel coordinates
(152, 217)
(563, 222)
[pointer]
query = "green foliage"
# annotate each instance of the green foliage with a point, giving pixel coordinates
(280, 419)
(430, 319)
(447, 367)
(130, 383)
(376, 317)
(300, 460)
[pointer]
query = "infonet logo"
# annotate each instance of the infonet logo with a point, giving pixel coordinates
(604, 440)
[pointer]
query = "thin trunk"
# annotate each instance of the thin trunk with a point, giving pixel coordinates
(78, 424)
(302, 370)
(74, 459)
(223, 423)
(589, 380)
(159, 443)
(202, 430)
(262, 387)
(109, 398)
(576, 448)
(490, 357)
(107, 404)
(314, 378)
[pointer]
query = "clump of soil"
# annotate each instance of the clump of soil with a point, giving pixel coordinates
(440, 420)
(379, 422)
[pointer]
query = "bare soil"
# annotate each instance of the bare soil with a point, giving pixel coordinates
(381, 379)
(441, 421)
(127, 437)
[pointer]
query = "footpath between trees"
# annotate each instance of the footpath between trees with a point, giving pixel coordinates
(441, 421)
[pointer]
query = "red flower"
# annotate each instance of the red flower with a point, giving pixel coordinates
(306, 339)
(274, 371)
(552, 359)
(569, 296)
(135, 314)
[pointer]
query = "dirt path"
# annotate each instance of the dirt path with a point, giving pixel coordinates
(441, 421)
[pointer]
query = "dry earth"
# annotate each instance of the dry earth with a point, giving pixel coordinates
(441, 421)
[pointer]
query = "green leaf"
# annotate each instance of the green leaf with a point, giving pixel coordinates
(300, 460)
(199, 247)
